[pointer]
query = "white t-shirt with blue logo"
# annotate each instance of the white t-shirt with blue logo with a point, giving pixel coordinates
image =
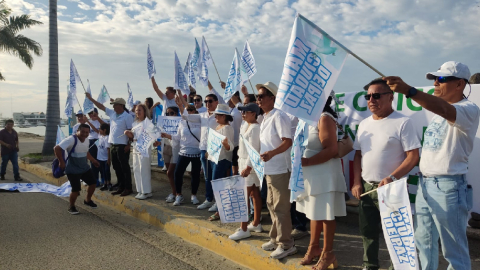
(447, 146)
(102, 145)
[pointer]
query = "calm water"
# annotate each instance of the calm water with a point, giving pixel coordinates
(40, 130)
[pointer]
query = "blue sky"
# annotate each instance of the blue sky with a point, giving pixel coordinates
(107, 39)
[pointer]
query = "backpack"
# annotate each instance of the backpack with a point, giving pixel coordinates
(56, 170)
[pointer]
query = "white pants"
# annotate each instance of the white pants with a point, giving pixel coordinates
(142, 173)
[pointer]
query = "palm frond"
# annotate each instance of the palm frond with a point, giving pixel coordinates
(18, 23)
(29, 44)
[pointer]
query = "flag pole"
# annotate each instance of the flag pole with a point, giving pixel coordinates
(78, 105)
(339, 44)
(212, 58)
(253, 89)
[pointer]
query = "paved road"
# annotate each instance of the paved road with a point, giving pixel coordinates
(37, 232)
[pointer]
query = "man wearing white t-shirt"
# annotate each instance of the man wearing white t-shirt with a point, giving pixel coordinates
(168, 97)
(387, 149)
(444, 196)
(94, 122)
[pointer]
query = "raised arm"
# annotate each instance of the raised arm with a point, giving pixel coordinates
(157, 90)
(98, 104)
(213, 91)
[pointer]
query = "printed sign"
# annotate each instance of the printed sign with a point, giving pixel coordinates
(231, 197)
(214, 144)
(257, 164)
(169, 124)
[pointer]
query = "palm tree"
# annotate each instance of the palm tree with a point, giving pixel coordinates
(53, 100)
(14, 43)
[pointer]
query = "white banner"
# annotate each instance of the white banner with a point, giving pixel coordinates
(73, 84)
(311, 68)
(103, 96)
(68, 104)
(180, 80)
(234, 79)
(297, 189)
(397, 224)
(231, 197)
(196, 60)
(257, 163)
(88, 105)
(130, 97)
(248, 61)
(62, 191)
(214, 144)
(150, 64)
(169, 124)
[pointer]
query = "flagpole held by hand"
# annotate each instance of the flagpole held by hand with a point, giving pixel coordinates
(368, 192)
(212, 58)
(253, 89)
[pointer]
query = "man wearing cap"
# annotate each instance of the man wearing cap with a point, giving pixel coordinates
(387, 148)
(275, 140)
(443, 196)
(120, 120)
(94, 122)
(168, 97)
(81, 119)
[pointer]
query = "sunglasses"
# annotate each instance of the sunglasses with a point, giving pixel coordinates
(446, 79)
(170, 113)
(197, 100)
(209, 101)
(376, 95)
(190, 110)
(262, 96)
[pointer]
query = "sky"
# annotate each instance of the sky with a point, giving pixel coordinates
(108, 39)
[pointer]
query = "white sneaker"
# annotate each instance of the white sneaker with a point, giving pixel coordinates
(269, 246)
(141, 196)
(257, 228)
(213, 208)
(194, 200)
(178, 200)
(240, 234)
(280, 253)
(170, 198)
(138, 195)
(206, 204)
(149, 195)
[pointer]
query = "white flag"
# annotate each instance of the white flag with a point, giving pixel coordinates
(196, 57)
(310, 71)
(248, 62)
(191, 72)
(205, 53)
(103, 96)
(60, 135)
(204, 62)
(68, 104)
(187, 64)
(397, 224)
(234, 78)
(73, 84)
(88, 105)
(214, 146)
(130, 98)
(150, 64)
(180, 80)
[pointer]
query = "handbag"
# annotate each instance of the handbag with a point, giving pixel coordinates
(345, 144)
(56, 170)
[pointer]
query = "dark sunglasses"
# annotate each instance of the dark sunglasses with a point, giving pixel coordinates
(446, 79)
(197, 100)
(170, 113)
(209, 101)
(190, 110)
(262, 96)
(376, 95)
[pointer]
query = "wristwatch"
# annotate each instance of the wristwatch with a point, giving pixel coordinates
(411, 92)
(392, 177)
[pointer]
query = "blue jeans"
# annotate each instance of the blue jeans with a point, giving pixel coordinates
(216, 171)
(442, 212)
(13, 157)
(104, 171)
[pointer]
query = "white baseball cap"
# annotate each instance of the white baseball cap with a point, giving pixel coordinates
(451, 69)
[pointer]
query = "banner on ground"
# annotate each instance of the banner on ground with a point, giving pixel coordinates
(150, 64)
(88, 105)
(297, 189)
(234, 79)
(62, 191)
(311, 68)
(130, 97)
(214, 145)
(248, 62)
(169, 124)
(103, 96)
(397, 224)
(231, 197)
(257, 163)
(180, 80)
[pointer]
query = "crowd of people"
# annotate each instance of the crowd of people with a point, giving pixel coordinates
(386, 149)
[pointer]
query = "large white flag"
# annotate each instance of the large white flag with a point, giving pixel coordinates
(88, 105)
(73, 83)
(191, 72)
(231, 197)
(68, 104)
(130, 97)
(196, 57)
(206, 62)
(103, 96)
(310, 71)
(397, 224)
(150, 64)
(205, 53)
(248, 62)
(180, 80)
(234, 79)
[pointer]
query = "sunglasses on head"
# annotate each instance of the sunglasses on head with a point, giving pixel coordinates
(170, 113)
(197, 100)
(209, 101)
(376, 95)
(442, 79)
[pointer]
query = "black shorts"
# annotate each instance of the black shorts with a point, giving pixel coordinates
(235, 157)
(87, 177)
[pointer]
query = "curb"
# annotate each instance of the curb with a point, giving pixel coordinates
(203, 233)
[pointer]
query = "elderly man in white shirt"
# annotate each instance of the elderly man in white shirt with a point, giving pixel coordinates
(275, 140)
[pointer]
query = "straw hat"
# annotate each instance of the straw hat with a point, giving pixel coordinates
(222, 109)
(270, 86)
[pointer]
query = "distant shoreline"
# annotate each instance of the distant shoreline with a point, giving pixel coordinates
(29, 135)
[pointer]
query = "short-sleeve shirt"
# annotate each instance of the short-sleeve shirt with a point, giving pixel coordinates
(447, 146)
(93, 134)
(102, 145)
(383, 144)
(11, 139)
(275, 126)
(77, 162)
(118, 125)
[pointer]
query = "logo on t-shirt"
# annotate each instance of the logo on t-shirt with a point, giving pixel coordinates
(435, 134)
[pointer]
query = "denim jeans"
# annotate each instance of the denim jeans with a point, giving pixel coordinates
(104, 171)
(217, 171)
(13, 157)
(442, 212)
(182, 164)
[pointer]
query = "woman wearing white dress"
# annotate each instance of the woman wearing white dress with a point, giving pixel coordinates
(141, 164)
(250, 132)
(325, 187)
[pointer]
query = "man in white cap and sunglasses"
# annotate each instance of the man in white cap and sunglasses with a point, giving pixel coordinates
(444, 196)
(275, 141)
(387, 148)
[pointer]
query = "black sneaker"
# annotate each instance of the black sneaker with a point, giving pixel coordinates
(105, 187)
(110, 187)
(2, 177)
(90, 203)
(18, 179)
(72, 210)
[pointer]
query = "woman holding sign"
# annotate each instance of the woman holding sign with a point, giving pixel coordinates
(170, 156)
(250, 133)
(141, 163)
(325, 187)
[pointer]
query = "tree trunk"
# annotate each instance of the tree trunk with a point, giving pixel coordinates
(53, 101)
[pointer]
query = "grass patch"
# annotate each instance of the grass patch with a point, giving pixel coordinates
(34, 155)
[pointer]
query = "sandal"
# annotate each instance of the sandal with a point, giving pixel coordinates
(310, 257)
(214, 217)
(327, 261)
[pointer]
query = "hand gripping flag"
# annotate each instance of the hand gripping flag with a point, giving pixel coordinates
(150, 64)
(180, 80)
(130, 98)
(103, 96)
(311, 68)
(234, 78)
(88, 105)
